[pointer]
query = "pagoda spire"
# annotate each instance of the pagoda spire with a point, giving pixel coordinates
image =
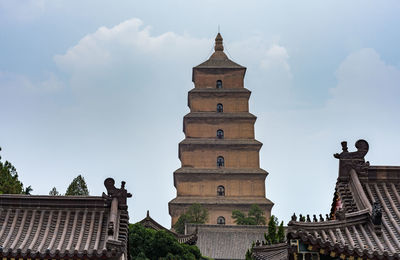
(218, 43)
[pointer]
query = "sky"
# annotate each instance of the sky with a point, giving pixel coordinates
(99, 88)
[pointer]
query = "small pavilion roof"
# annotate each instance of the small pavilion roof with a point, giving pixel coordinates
(149, 222)
(219, 59)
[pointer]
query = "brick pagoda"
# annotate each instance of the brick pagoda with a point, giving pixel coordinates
(219, 156)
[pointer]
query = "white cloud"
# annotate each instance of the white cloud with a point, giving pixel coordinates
(128, 42)
(276, 57)
(366, 85)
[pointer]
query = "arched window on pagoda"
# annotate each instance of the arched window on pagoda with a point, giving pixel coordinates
(220, 108)
(220, 161)
(219, 83)
(221, 190)
(220, 134)
(221, 220)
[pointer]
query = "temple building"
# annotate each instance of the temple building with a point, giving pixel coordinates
(65, 227)
(149, 222)
(364, 220)
(219, 156)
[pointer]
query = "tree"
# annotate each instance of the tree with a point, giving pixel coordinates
(77, 187)
(196, 214)
(9, 182)
(145, 243)
(254, 217)
(270, 238)
(281, 233)
(28, 190)
(275, 236)
(54, 192)
(249, 252)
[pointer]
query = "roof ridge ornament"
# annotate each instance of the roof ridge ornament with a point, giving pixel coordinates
(376, 217)
(113, 192)
(353, 160)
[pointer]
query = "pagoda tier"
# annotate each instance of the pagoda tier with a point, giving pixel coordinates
(219, 156)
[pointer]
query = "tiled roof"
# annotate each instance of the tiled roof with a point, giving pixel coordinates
(149, 222)
(64, 226)
(364, 221)
(269, 252)
(365, 215)
(226, 242)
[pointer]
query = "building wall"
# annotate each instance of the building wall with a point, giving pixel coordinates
(207, 158)
(231, 79)
(230, 104)
(233, 129)
(233, 187)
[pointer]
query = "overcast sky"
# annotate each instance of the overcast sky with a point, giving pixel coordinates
(99, 88)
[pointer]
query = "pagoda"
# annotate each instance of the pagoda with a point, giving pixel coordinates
(219, 156)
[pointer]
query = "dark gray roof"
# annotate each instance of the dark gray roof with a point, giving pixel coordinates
(365, 215)
(226, 242)
(271, 252)
(64, 226)
(149, 222)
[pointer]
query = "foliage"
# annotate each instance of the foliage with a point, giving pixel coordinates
(145, 243)
(270, 237)
(196, 214)
(254, 217)
(274, 236)
(28, 190)
(77, 187)
(281, 233)
(249, 253)
(9, 183)
(54, 192)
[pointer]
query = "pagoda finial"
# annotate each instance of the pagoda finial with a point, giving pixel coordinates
(218, 43)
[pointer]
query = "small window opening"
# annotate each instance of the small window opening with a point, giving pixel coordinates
(221, 220)
(220, 108)
(220, 161)
(219, 83)
(220, 134)
(221, 190)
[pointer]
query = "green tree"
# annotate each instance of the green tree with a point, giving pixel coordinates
(145, 243)
(77, 187)
(275, 235)
(254, 217)
(271, 237)
(249, 252)
(28, 190)
(196, 214)
(281, 233)
(54, 192)
(9, 182)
